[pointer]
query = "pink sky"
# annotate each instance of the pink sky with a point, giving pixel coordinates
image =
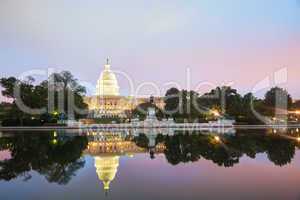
(242, 42)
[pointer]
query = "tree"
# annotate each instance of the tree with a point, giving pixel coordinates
(35, 96)
(4, 109)
(32, 96)
(186, 147)
(277, 99)
(142, 109)
(225, 98)
(296, 105)
(141, 140)
(190, 147)
(249, 104)
(189, 105)
(182, 104)
(58, 161)
(172, 98)
(66, 81)
(8, 85)
(64, 84)
(280, 151)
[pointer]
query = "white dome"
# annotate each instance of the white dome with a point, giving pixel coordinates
(107, 84)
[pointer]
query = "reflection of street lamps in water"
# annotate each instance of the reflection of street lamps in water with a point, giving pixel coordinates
(106, 168)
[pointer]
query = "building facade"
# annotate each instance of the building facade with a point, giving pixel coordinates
(107, 102)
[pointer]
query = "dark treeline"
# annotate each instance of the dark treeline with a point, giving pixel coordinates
(182, 105)
(55, 95)
(226, 102)
(56, 158)
(191, 147)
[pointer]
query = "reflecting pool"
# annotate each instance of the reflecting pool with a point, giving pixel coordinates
(245, 164)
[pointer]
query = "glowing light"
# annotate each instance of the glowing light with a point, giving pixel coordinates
(215, 113)
(54, 133)
(274, 131)
(298, 139)
(54, 141)
(297, 130)
(296, 112)
(130, 155)
(217, 138)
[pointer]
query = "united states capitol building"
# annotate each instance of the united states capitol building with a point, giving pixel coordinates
(107, 102)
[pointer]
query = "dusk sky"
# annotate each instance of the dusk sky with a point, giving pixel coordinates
(221, 41)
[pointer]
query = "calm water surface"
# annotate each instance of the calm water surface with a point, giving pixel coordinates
(256, 164)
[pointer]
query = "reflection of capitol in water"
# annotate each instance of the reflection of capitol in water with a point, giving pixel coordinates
(108, 147)
(106, 168)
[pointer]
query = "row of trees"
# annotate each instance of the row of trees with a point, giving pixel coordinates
(225, 101)
(60, 96)
(191, 147)
(56, 158)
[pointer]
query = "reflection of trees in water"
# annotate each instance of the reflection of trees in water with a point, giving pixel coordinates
(280, 151)
(190, 147)
(182, 148)
(62, 173)
(186, 148)
(141, 141)
(57, 159)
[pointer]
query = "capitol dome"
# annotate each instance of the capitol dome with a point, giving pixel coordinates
(107, 84)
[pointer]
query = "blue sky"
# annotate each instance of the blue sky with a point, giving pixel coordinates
(221, 41)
